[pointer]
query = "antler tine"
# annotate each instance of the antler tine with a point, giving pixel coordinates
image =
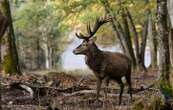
(98, 23)
(81, 36)
(77, 35)
(89, 29)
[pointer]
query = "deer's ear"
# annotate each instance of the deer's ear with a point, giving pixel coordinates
(93, 39)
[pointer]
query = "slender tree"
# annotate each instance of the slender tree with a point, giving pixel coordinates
(171, 44)
(144, 40)
(126, 34)
(3, 26)
(170, 10)
(152, 42)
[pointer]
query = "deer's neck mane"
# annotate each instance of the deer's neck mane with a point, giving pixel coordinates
(94, 58)
(93, 52)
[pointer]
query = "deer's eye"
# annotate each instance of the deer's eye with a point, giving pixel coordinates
(84, 44)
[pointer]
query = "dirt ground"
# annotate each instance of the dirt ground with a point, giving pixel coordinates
(61, 91)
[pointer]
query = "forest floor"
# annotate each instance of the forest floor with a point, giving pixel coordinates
(61, 91)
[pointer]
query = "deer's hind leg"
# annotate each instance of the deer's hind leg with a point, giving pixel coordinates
(106, 87)
(99, 83)
(128, 79)
(121, 90)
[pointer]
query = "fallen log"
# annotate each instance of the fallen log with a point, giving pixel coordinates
(43, 90)
(23, 87)
(74, 90)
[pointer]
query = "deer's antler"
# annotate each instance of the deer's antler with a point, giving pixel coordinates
(98, 23)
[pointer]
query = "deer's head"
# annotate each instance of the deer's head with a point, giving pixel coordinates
(88, 41)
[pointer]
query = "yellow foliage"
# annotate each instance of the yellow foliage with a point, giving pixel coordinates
(138, 28)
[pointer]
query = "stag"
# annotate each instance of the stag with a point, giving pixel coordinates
(104, 64)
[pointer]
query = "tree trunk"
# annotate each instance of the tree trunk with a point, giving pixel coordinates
(127, 36)
(153, 43)
(144, 41)
(171, 45)
(53, 58)
(0, 92)
(50, 58)
(47, 57)
(136, 40)
(170, 10)
(3, 26)
(12, 54)
(164, 54)
(4, 22)
(38, 59)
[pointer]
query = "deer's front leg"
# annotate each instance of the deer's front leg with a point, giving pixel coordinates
(99, 83)
(106, 87)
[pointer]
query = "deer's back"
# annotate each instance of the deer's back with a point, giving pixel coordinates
(116, 64)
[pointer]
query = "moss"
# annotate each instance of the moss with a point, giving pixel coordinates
(139, 105)
(154, 102)
(157, 102)
(8, 65)
(165, 88)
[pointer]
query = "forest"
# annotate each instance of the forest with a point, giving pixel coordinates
(86, 54)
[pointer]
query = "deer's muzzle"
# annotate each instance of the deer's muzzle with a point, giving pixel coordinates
(75, 52)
